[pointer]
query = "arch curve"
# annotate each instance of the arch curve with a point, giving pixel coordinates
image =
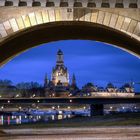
(63, 31)
(41, 26)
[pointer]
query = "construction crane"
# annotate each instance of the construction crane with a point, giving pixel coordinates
(123, 82)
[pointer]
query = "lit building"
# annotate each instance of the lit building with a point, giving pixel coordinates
(125, 91)
(59, 85)
(60, 73)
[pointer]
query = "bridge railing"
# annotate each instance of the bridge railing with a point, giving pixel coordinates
(73, 3)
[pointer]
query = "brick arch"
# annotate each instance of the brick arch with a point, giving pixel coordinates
(116, 22)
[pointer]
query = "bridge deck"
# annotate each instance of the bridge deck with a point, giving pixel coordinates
(72, 100)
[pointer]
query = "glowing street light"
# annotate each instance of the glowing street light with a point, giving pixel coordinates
(70, 101)
(111, 107)
(53, 107)
(2, 107)
(33, 95)
(68, 107)
(17, 95)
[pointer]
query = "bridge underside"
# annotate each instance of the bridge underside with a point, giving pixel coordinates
(65, 30)
(22, 28)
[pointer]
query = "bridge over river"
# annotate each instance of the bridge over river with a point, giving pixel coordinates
(96, 103)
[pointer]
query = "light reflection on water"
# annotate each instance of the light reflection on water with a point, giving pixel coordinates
(8, 120)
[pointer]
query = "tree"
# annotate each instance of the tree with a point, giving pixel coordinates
(5, 82)
(27, 89)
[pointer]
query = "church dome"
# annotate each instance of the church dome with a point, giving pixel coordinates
(59, 52)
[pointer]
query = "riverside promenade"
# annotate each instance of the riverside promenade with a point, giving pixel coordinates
(85, 133)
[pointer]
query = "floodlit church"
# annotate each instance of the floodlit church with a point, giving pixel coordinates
(59, 85)
(60, 73)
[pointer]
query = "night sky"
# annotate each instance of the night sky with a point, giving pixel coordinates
(90, 61)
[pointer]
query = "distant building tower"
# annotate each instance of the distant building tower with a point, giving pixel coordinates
(73, 88)
(60, 73)
(46, 81)
(73, 80)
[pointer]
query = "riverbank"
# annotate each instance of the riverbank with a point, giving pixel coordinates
(86, 133)
(127, 119)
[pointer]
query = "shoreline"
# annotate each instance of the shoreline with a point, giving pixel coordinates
(130, 119)
(113, 133)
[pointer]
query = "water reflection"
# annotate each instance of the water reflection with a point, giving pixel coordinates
(39, 115)
(8, 120)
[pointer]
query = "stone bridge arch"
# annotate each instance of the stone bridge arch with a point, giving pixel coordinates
(120, 27)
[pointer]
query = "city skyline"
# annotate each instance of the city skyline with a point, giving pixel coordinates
(91, 61)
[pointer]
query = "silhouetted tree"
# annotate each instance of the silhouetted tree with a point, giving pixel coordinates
(5, 82)
(27, 89)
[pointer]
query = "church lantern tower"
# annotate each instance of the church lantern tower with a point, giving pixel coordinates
(60, 73)
(60, 61)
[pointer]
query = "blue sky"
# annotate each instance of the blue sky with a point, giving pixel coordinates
(91, 61)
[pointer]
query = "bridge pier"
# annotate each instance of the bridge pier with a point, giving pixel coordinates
(96, 109)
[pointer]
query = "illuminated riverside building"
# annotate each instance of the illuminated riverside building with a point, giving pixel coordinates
(59, 85)
(60, 73)
(125, 91)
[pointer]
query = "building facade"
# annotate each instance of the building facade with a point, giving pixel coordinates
(126, 90)
(59, 84)
(60, 73)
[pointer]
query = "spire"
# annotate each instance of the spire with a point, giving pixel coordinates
(46, 80)
(73, 80)
(59, 58)
(46, 76)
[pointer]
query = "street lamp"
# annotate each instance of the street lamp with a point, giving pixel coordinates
(17, 95)
(111, 107)
(68, 107)
(70, 101)
(19, 108)
(2, 108)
